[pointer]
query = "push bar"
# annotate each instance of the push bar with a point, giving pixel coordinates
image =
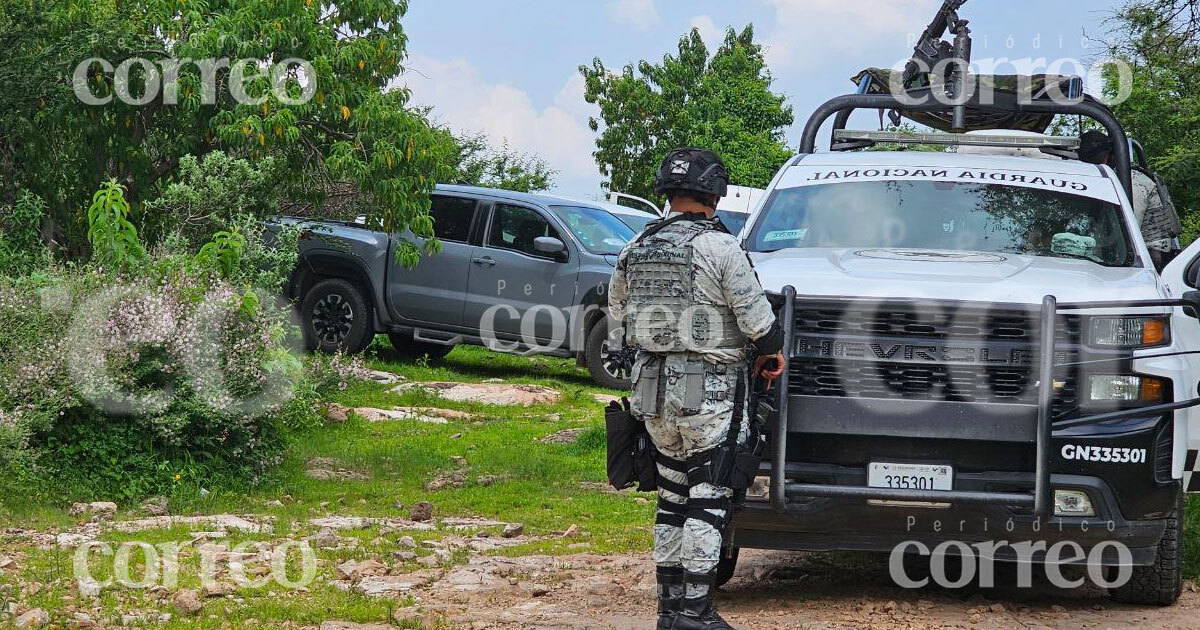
(1041, 500)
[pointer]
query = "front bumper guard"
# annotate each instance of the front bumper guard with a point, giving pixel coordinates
(1041, 499)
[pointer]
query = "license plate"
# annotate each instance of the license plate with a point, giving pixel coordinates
(910, 476)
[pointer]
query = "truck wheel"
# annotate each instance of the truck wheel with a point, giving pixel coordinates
(1161, 583)
(409, 348)
(725, 568)
(335, 316)
(606, 366)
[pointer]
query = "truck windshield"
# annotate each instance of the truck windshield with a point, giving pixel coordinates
(954, 216)
(597, 230)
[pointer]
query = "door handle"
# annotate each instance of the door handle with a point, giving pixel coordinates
(486, 260)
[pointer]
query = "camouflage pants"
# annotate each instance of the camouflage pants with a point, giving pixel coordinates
(682, 422)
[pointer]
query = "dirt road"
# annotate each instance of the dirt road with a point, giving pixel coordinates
(770, 590)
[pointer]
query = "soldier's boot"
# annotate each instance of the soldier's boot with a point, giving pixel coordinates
(697, 611)
(670, 595)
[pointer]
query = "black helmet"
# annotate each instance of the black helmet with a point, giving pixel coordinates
(1095, 147)
(692, 170)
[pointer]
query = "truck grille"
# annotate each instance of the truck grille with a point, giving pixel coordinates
(878, 374)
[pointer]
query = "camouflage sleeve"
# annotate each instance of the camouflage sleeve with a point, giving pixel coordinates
(618, 291)
(743, 292)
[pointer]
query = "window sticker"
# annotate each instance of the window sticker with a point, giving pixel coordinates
(786, 235)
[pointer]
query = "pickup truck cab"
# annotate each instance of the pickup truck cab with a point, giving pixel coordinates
(516, 273)
(976, 341)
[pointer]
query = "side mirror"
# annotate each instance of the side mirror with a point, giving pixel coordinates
(1192, 308)
(550, 245)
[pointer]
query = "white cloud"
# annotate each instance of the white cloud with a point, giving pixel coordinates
(709, 32)
(801, 37)
(640, 13)
(466, 102)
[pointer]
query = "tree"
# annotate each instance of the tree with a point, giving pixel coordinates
(1160, 39)
(723, 102)
(341, 124)
(477, 163)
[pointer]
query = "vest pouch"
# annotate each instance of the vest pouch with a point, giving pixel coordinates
(693, 387)
(646, 375)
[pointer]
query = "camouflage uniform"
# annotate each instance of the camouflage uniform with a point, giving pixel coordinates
(1155, 213)
(684, 423)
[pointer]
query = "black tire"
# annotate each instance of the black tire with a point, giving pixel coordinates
(1161, 583)
(604, 366)
(335, 316)
(409, 348)
(727, 565)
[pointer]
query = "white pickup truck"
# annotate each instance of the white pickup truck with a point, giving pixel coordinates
(915, 288)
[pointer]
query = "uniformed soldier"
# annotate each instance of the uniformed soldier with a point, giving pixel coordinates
(691, 304)
(1152, 205)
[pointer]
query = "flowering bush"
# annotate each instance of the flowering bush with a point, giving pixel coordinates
(192, 370)
(124, 377)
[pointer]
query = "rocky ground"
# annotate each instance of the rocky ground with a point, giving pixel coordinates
(437, 504)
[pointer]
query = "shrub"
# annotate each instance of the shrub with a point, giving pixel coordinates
(120, 380)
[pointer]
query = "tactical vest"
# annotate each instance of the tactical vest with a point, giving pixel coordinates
(665, 313)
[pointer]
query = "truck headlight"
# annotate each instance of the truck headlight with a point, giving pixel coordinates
(1126, 388)
(1129, 332)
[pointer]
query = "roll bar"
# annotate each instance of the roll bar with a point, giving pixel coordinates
(843, 106)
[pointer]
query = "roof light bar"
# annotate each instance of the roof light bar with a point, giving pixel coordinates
(1024, 141)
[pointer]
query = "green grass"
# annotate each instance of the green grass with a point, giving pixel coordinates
(540, 485)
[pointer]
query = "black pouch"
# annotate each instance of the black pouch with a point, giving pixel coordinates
(631, 454)
(745, 465)
(645, 461)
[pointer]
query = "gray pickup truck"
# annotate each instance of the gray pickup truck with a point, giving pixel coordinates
(517, 273)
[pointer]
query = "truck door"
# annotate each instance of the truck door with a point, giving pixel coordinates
(434, 291)
(1181, 276)
(514, 284)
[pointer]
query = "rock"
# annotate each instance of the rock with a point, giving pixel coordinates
(435, 412)
(604, 399)
(571, 532)
(82, 620)
(410, 616)
(997, 607)
(404, 556)
(488, 480)
(186, 602)
(383, 378)
(274, 503)
(33, 619)
(536, 590)
(449, 479)
(380, 585)
(346, 625)
(217, 589)
(371, 567)
(407, 541)
(88, 587)
(326, 539)
(156, 506)
(429, 561)
(566, 436)
(488, 393)
(103, 509)
(347, 570)
(336, 413)
(7, 563)
(421, 511)
(330, 469)
(512, 530)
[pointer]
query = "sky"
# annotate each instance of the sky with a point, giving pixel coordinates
(509, 69)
